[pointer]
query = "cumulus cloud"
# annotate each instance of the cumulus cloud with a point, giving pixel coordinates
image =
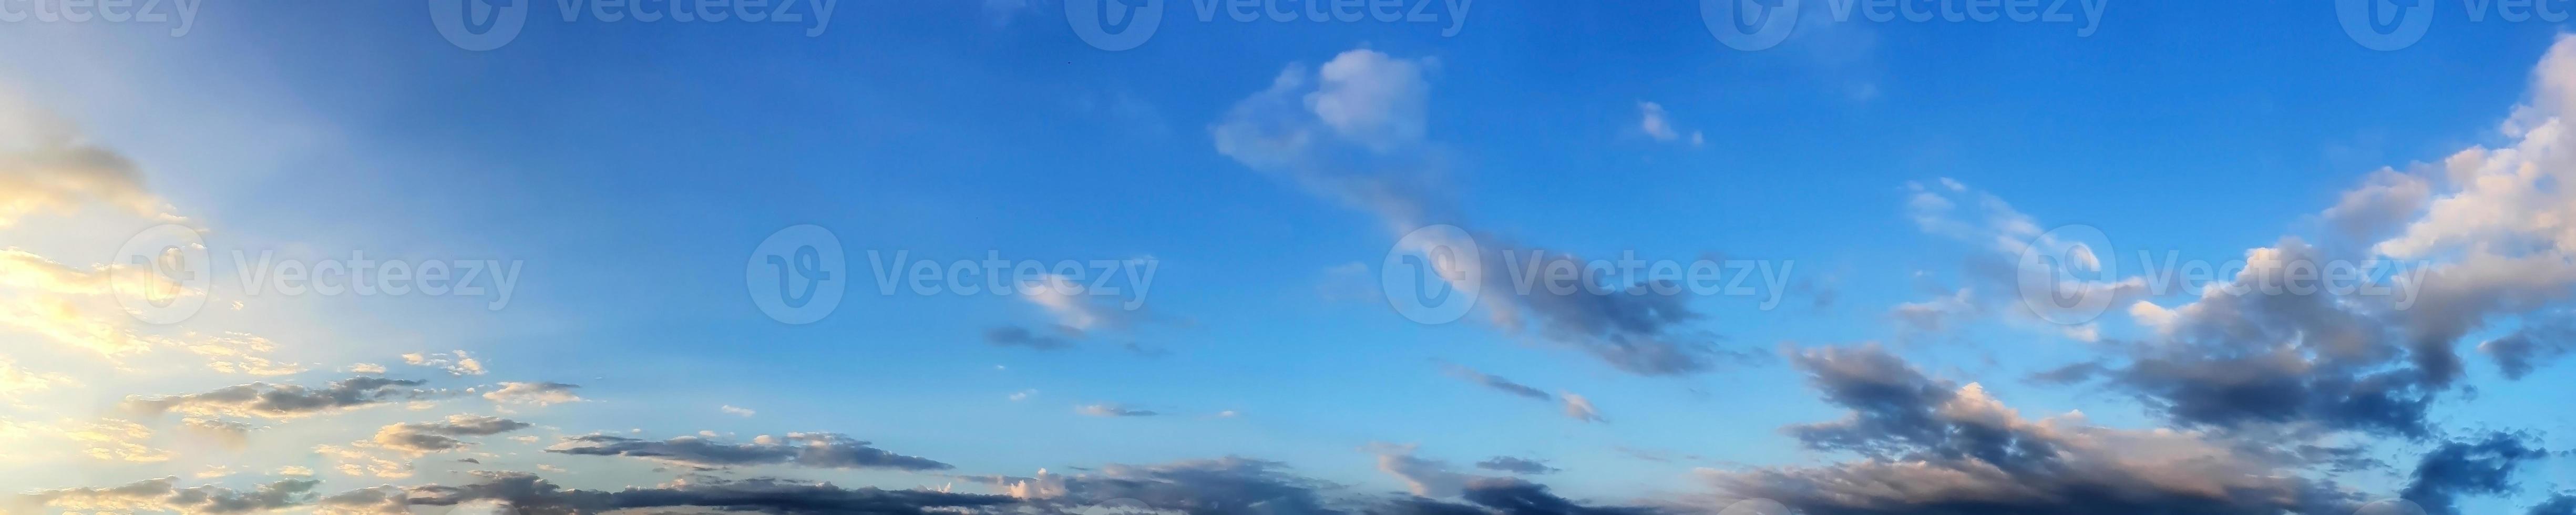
(116, 440)
(737, 411)
(275, 401)
(2528, 348)
(164, 495)
(427, 437)
(1580, 408)
(456, 363)
(47, 166)
(817, 450)
(1932, 446)
(1658, 124)
(536, 393)
(2482, 466)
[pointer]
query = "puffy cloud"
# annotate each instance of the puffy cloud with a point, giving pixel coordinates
(1658, 124)
(275, 401)
(1112, 410)
(537, 393)
(2533, 345)
(1516, 465)
(818, 450)
(1515, 497)
(2561, 504)
(46, 166)
(164, 495)
(456, 363)
(357, 461)
(427, 437)
(736, 410)
(1580, 408)
(116, 440)
(2482, 466)
(1931, 446)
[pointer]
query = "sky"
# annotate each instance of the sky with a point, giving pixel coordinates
(1267, 257)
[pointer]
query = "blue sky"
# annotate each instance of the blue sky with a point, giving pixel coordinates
(1266, 169)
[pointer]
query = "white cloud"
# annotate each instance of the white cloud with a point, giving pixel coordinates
(1579, 408)
(733, 410)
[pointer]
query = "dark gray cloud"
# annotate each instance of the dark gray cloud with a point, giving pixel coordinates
(2255, 352)
(420, 437)
(1930, 446)
(2479, 467)
(2532, 346)
(819, 450)
(2561, 504)
(285, 401)
(1016, 336)
(1516, 497)
(163, 494)
(1221, 486)
(1516, 465)
(1499, 383)
(532, 495)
